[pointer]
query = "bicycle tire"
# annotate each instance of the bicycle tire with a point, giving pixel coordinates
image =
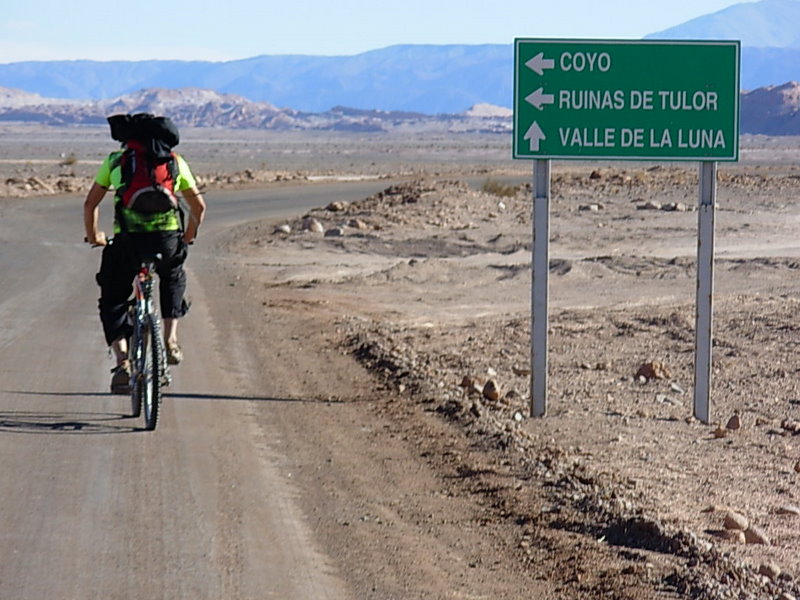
(151, 380)
(136, 353)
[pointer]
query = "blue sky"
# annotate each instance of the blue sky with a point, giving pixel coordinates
(232, 29)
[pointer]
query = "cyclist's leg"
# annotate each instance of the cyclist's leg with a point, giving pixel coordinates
(172, 290)
(114, 278)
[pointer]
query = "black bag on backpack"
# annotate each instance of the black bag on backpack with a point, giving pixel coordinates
(157, 134)
(149, 167)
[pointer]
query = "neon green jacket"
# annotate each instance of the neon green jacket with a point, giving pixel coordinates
(110, 176)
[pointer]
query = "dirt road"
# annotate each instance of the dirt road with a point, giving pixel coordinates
(93, 508)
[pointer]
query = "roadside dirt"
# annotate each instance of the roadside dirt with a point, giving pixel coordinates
(377, 325)
(618, 492)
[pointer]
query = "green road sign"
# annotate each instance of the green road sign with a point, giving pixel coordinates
(660, 100)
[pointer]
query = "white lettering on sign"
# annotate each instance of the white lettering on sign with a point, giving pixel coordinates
(591, 100)
(585, 137)
(641, 100)
(586, 61)
(662, 141)
(681, 100)
(701, 138)
(632, 138)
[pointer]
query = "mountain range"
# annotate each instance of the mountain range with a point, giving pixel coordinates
(405, 79)
(773, 110)
(194, 107)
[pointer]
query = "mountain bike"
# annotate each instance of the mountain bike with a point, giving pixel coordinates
(149, 371)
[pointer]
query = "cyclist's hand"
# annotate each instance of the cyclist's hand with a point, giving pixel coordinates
(98, 240)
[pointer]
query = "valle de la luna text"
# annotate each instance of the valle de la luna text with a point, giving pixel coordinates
(638, 137)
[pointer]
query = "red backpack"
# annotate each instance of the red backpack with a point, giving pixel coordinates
(148, 183)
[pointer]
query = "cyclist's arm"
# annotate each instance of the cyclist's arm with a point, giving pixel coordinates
(91, 215)
(197, 211)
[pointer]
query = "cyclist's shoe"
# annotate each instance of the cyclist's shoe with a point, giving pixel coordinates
(174, 354)
(121, 378)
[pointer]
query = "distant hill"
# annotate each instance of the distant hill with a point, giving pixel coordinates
(773, 110)
(196, 107)
(418, 78)
(764, 24)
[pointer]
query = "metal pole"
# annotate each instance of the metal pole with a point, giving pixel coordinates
(705, 291)
(539, 291)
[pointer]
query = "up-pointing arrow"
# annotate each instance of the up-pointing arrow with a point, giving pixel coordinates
(539, 63)
(535, 135)
(539, 98)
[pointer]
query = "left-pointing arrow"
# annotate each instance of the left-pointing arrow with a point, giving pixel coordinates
(539, 63)
(539, 98)
(535, 135)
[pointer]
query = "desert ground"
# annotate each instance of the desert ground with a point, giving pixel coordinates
(423, 290)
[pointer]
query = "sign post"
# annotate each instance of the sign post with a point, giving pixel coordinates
(625, 100)
(540, 291)
(705, 290)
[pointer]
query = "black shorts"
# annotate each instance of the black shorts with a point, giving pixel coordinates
(120, 263)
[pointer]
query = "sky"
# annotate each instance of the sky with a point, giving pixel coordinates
(235, 29)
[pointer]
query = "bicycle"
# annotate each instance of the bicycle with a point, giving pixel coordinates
(149, 371)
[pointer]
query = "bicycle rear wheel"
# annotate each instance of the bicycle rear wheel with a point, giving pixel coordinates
(149, 370)
(137, 352)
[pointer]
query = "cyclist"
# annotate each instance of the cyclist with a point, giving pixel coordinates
(136, 234)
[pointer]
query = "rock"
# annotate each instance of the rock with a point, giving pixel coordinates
(720, 432)
(334, 232)
(797, 467)
(733, 536)
(787, 596)
(756, 535)
(35, 182)
(358, 224)
(676, 388)
(285, 228)
(654, 370)
(789, 509)
(521, 372)
(734, 423)
(790, 425)
(649, 205)
(716, 508)
(491, 391)
(734, 520)
(313, 225)
(471, 385)
(336, 206)
(595, 175)
(770, 570)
